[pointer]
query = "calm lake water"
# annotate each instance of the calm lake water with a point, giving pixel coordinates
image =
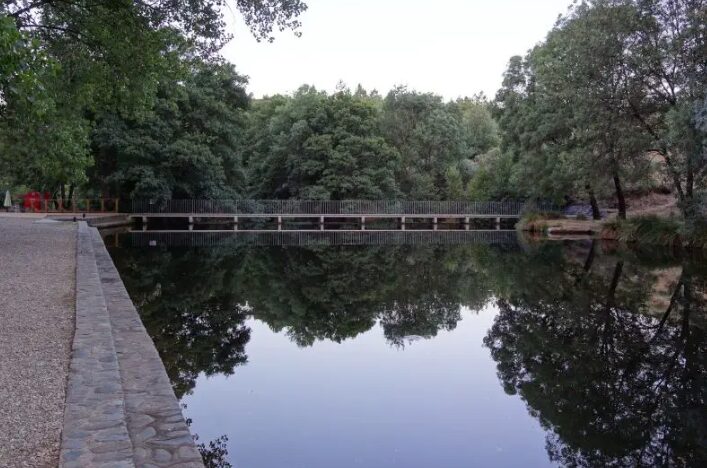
(507, 355)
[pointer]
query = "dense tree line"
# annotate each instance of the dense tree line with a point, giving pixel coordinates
(130, 99)
(207, 139)
(359, 145)
(83, 82)
(616, 86)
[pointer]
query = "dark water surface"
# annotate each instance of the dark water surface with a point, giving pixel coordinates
(509, 355)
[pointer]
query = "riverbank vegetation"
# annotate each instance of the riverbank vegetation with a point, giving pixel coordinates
(655, 230)
(130, 100)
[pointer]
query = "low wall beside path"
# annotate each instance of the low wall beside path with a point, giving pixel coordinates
(121, 410)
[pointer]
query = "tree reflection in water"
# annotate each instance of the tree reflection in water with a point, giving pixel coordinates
(607, 350)
(613, 384)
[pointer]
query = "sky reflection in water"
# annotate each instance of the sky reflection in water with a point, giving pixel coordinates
(364, 403)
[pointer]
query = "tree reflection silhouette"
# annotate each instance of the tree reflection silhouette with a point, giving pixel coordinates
(194, 302)
(613, 380)
(190, 309)
(612, 385)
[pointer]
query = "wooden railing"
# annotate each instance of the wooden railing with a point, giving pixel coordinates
(334, 207)
(75, 205)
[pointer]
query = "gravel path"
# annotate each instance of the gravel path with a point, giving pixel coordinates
(37, 276)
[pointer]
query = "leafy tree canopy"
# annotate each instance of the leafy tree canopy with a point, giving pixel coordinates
(100, 60)
(319, 146)
(188, 147)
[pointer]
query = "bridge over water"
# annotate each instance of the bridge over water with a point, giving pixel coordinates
(322, 213)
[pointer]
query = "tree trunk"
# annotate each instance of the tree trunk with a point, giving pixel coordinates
(620, 197)
(689, 208)
(609, 304)
(686, 303)
(677, 184)
(71, 196)
(614, 283)
(596, 214)
(588, 262)
(590, 256)
(673, 300)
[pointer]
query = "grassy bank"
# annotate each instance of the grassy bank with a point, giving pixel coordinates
(537, 222)
(554, 223)
(645, 229)
(655, 230)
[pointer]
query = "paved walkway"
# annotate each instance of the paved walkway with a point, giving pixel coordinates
(81, 383)
(37, 274)
(121, 410)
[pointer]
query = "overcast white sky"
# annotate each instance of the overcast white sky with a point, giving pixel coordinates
(450, 47)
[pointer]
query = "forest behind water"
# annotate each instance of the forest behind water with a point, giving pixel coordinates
(133, 100)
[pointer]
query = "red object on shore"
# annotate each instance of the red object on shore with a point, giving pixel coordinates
(32, 201)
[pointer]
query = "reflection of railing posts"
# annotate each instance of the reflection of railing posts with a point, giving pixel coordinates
(285, 237)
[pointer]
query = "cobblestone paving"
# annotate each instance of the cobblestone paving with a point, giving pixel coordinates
(121, 410)
(95, 430)
(37, 271)
(159, 434)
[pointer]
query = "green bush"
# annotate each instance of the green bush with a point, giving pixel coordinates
(527, 222)
(552, 215)
(695, 233)
(656, 230)
(649, 229)
(530, 217)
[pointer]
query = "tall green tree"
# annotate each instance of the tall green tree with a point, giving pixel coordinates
(668, 63)
(535, 158)
(562, 109)
(319, 146)
(39, 139)
(614, 81)
(429, 137)
(112, 57)
(189, 146)
(593, 80)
